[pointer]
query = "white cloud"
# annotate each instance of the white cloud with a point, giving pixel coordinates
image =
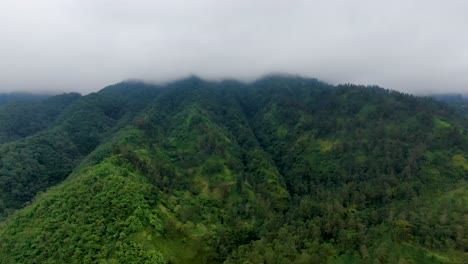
(414, 46)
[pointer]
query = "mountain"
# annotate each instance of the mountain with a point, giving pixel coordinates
(451, 98)
(459, 101)
(11, 97)
(22, 118)
(281, 170)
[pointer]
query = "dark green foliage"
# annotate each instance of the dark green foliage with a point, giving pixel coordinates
(10, 97)
(34, 163)
(282, 170)
(458, 101)
(23, 118)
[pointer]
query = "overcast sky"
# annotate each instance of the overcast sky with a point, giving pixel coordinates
(418, 46)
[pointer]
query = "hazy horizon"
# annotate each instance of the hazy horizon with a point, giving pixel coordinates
(55, 92)
(82, 46)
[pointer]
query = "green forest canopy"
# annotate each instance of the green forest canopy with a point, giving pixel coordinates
(281, 170)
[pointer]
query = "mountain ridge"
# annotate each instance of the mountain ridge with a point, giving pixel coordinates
(282, 170)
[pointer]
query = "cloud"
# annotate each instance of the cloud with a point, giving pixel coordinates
(66, 45)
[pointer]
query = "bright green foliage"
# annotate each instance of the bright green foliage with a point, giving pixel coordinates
(90, 218)
(283, 170)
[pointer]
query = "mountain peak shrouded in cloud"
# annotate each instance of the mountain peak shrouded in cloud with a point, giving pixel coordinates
(416, 47)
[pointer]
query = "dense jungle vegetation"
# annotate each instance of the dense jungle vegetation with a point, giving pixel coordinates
(281, 170)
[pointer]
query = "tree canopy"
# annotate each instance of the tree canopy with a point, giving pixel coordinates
(281, 170)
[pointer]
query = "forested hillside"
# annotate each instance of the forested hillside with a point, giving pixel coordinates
(22, 118)
(458, 101)
(11, 97)
(281, 170)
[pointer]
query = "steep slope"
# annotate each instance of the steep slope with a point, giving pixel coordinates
(216, 185)
(32, 164)
(283, 170)
(353, 158)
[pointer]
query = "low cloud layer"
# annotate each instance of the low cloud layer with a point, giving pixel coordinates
(68, 45)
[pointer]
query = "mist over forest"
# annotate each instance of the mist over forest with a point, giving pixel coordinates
(235, 131)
